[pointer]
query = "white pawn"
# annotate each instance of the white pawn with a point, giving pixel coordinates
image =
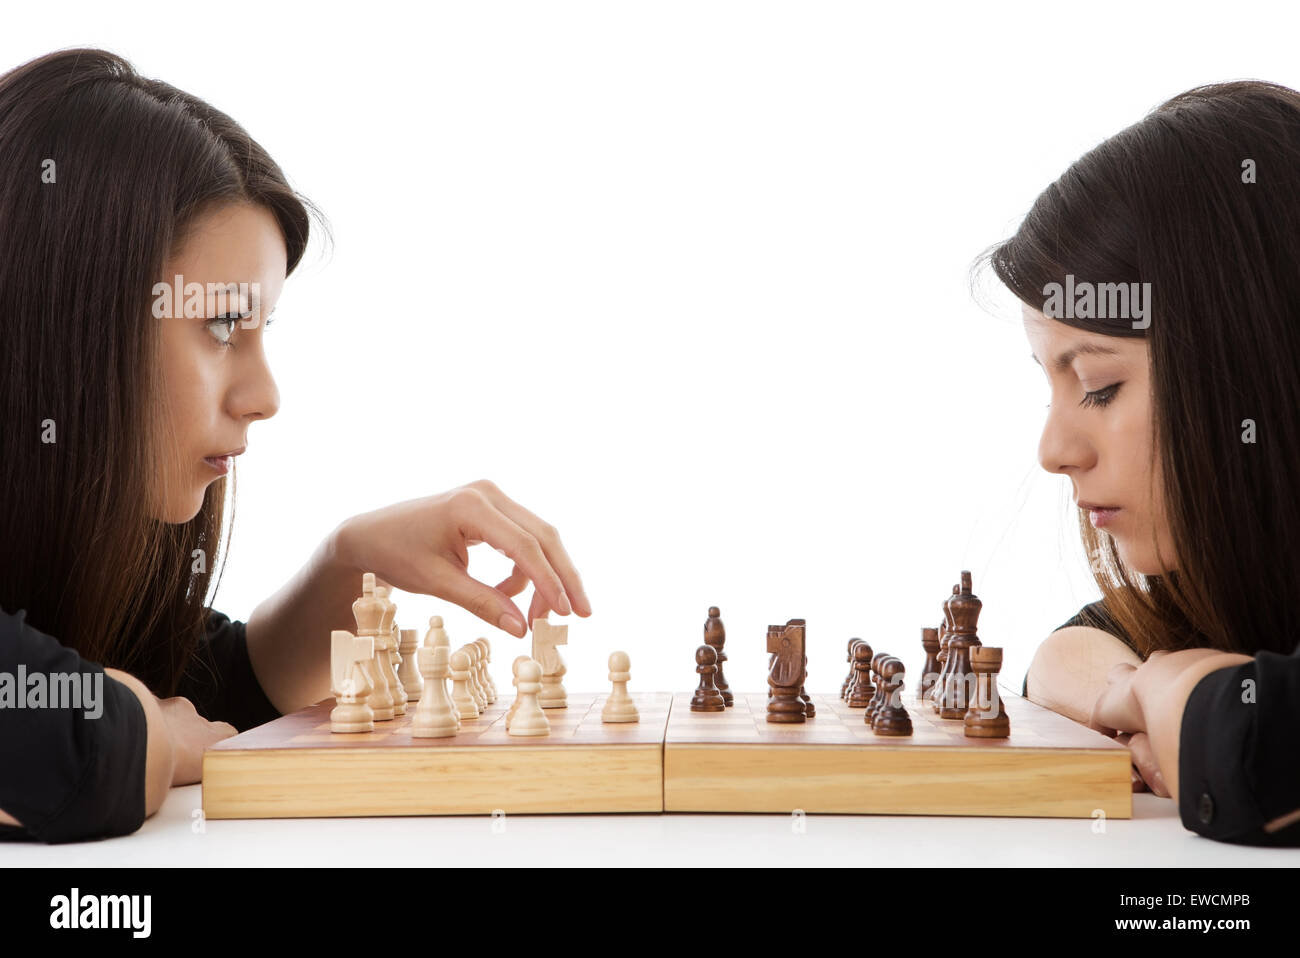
(529, 718)
(480, 672)
(484, 676)
(619, 707)
(435, 717)
(475, 688)
(461, 697)
(514, 671)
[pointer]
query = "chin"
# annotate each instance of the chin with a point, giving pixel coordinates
(1142, 561)
(181, 513)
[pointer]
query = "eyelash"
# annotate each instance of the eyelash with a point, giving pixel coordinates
(1101, 397)
(232, 318)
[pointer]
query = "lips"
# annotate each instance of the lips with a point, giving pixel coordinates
(1100, 516)
(221, 463)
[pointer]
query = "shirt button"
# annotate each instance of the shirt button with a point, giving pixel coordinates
(1205, 810)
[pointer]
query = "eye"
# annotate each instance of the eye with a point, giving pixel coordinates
(1101, 397)
(223, 326)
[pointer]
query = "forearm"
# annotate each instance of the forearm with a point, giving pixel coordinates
(1070, 670)
(288, 633)
(159, 758)
(1163, 702)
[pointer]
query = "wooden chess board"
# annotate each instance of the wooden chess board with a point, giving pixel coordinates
(736, 761)
(295, 767)
(672, 760)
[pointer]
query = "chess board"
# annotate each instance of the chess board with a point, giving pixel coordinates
(736, 761)
(295, 767)
(673, 760)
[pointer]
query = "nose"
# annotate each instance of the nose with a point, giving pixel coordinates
(1064, 448)
(255, 395)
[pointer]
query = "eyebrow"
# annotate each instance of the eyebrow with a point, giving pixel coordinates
(1064, 360)
(251, 308)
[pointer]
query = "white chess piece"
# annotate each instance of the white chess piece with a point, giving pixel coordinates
(529, 718)
(368, 610)
(435, 716)
(348, 682)
(409, 671)
(437, 635)
(396, 687)
(514, 671)
(484, 676)
(545, 639)
(480, 672)
(388, 631)
(475, 689)
(619, 707)
(461, 696)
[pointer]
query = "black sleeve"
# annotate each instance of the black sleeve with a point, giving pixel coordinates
(73, 742)
(220, 680)
(1094, 615)
(1239, 752)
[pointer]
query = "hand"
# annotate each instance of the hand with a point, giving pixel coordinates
(1118, 713)
(1117, 708)
(1132, 700)
(190, 734)
(1146, 772)
(422, 546)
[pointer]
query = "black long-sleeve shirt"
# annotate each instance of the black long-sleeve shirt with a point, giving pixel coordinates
(1238, 746)
(77, 772)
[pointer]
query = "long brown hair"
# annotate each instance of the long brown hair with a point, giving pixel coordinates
(1172, 201)
(101, 173)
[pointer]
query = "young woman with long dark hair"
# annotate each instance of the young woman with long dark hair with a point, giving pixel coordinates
(123, 412)
(1160, 283)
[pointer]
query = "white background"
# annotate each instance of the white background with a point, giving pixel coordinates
(690, 280)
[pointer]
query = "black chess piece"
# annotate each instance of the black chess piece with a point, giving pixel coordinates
(786, 674)
(715, 634)
(707, 698)
(892, 718)
(862, 691)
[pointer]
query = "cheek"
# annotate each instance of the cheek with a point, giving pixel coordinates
(1130, 441)
(188, 389)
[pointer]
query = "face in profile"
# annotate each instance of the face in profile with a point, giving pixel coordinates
(1100, 435)
(215, 378)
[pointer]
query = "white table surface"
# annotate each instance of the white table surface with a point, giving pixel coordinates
(176, 837)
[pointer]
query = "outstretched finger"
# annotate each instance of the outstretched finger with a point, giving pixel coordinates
(483, 520)
(549, 537)
(537, 609)
(491, 605)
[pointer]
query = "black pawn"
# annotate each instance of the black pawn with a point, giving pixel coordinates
(707, 698)
(861, 691)
(892, 718)
(848, 680)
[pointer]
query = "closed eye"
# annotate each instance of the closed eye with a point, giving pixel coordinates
(1101, 397)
